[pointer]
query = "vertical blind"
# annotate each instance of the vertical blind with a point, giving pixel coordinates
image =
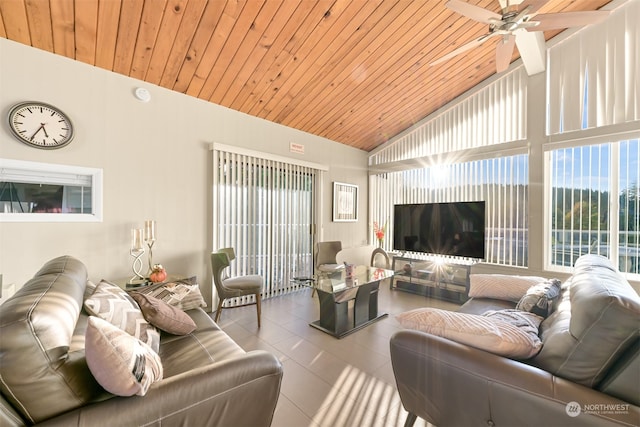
(264, 210)
(501, 182)
(594, 76)
(492, 115)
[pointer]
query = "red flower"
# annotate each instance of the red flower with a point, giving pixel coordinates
(379, 231)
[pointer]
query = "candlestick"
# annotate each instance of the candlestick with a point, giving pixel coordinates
(137, 250)
(138, 278)
(150, 239)
(149, 231)
(136, 239)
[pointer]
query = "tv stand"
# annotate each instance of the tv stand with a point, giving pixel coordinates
(442, 278)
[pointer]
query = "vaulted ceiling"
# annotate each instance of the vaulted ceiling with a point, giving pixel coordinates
(354, 71)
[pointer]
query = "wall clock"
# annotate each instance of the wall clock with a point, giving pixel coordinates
(40, 125)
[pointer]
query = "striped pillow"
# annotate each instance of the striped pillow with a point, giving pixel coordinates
(113, 304)
(513, 334)
(122, 364)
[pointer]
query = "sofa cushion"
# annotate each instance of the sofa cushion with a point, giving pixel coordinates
(539, 298)
(43, 369)
(164, 316)
(595, 322)
(501, 286)
(113, 304)
(121, 363)
(510, 333)
(183, 294)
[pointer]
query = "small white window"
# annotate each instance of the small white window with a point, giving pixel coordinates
(44, 192)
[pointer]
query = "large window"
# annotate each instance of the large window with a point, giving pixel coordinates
(592, 152)
(594, 203)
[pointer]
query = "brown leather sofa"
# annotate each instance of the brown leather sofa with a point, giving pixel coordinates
(586, 374)
(208, 379)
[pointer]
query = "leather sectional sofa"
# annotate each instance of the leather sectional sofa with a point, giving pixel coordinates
(45, 379)
(587, 372)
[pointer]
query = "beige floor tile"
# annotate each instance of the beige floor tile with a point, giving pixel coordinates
(288, 415)
(327, 381)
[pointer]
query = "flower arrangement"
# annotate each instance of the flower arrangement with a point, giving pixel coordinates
(379, 231)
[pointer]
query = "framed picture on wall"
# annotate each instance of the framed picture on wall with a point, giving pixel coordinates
(345, 202)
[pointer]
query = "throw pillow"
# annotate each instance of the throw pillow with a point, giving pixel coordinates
(183, 294)
(504, 336)
(122, 364)
(501, 286)
(164, 316)
(539, 298)
(113, 304)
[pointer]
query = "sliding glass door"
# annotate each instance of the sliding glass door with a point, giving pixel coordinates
(263, 208)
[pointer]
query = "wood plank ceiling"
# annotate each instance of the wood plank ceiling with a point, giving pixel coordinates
(353, 71)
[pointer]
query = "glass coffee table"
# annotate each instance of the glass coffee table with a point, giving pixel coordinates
(348, 304)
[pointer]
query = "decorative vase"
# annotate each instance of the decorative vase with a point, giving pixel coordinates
(158, 274)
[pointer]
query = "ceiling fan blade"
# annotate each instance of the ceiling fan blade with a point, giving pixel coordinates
(532, 49)
(557, 21)
(463, 48)
(474, 12)
(504, 52)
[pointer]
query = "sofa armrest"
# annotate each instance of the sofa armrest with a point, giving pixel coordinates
(447, 383)
(239, 391)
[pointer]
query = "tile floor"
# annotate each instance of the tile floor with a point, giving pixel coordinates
(327, 381)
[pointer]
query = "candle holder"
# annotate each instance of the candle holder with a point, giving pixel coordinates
(138, 278)
(150, 239)
(150, 245)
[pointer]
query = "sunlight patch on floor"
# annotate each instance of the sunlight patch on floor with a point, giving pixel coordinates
(357, 399)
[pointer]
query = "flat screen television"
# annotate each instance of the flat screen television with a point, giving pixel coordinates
(452, 229)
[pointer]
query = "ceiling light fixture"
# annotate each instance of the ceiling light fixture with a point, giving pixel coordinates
(142, 94)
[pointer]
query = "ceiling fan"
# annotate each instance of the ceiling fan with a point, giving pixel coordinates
(520, 25)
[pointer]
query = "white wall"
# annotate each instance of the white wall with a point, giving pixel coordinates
(157, 165)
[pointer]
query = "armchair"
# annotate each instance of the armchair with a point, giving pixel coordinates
(325, 257)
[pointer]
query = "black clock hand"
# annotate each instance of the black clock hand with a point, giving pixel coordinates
(44, 130)
(36, 132)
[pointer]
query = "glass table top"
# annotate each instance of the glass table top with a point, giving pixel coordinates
(338, 282)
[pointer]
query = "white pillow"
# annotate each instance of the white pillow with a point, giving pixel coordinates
(501, 286)
(122, 364)
(510, 334)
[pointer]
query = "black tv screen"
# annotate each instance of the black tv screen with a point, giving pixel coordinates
(452, 229)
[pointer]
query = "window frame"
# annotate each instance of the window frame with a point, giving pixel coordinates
(586, 137)
(40, 170)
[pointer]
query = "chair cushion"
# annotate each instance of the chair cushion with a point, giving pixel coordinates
(330, 268)
(249, 283)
